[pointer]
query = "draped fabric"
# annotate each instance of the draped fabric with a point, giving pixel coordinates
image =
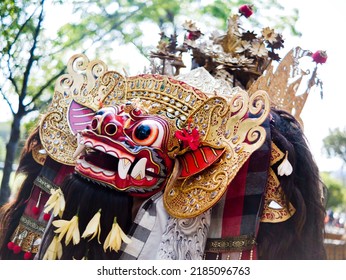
(235, 219)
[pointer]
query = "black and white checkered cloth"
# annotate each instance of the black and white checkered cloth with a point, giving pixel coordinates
(141, 229)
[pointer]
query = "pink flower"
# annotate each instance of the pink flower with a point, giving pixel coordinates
(319, 57)
(246, 10)
(189, 138)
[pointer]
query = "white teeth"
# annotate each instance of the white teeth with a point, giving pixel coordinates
(108, 173)
(138, 172)
(113, 154)
(100, 148)
(88, 144)
(83, 163)
(149, 178)
(79, 150)
(123, 167)
(95, 168)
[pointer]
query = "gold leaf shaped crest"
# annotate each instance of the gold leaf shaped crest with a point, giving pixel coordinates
(232, 124)
(86, 85)
(288, 86)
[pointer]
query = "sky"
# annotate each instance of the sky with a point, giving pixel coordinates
(321, 24)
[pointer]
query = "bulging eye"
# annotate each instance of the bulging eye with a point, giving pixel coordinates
(111, 129)
(145, 133)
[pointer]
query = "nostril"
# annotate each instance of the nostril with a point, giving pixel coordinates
(94, 124)
(111, 129)
(129, 143)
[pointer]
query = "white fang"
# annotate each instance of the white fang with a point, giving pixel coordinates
(138, 171)
(123, 167)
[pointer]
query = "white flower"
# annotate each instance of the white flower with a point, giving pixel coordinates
(54, 250)
(56, 201)
(93, 228)
(70, 228)
(269, 35)
(115, 237)
(285, 168)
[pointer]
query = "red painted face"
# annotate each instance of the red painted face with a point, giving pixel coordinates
(125, 151)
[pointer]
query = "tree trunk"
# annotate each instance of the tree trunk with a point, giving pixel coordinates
(11, 149)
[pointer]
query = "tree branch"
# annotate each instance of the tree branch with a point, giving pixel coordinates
(20, 31)
(115, 25)
(7, 101)
(11, 78)
(33, 109)
(32, 56)
(47, 84)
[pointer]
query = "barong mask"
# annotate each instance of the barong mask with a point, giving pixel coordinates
(146, 133)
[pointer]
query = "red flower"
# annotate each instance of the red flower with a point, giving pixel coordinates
(193, 35)
(319, 57)
(246, 10)
(189, 138)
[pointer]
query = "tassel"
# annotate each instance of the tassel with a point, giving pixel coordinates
(36, 209)
(17, 249)
(10, 245)
(28, 256)
(46, 217)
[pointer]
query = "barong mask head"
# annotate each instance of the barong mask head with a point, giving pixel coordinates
(146, 133)
(126, 149)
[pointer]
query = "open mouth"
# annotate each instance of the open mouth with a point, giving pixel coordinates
(117, 165)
